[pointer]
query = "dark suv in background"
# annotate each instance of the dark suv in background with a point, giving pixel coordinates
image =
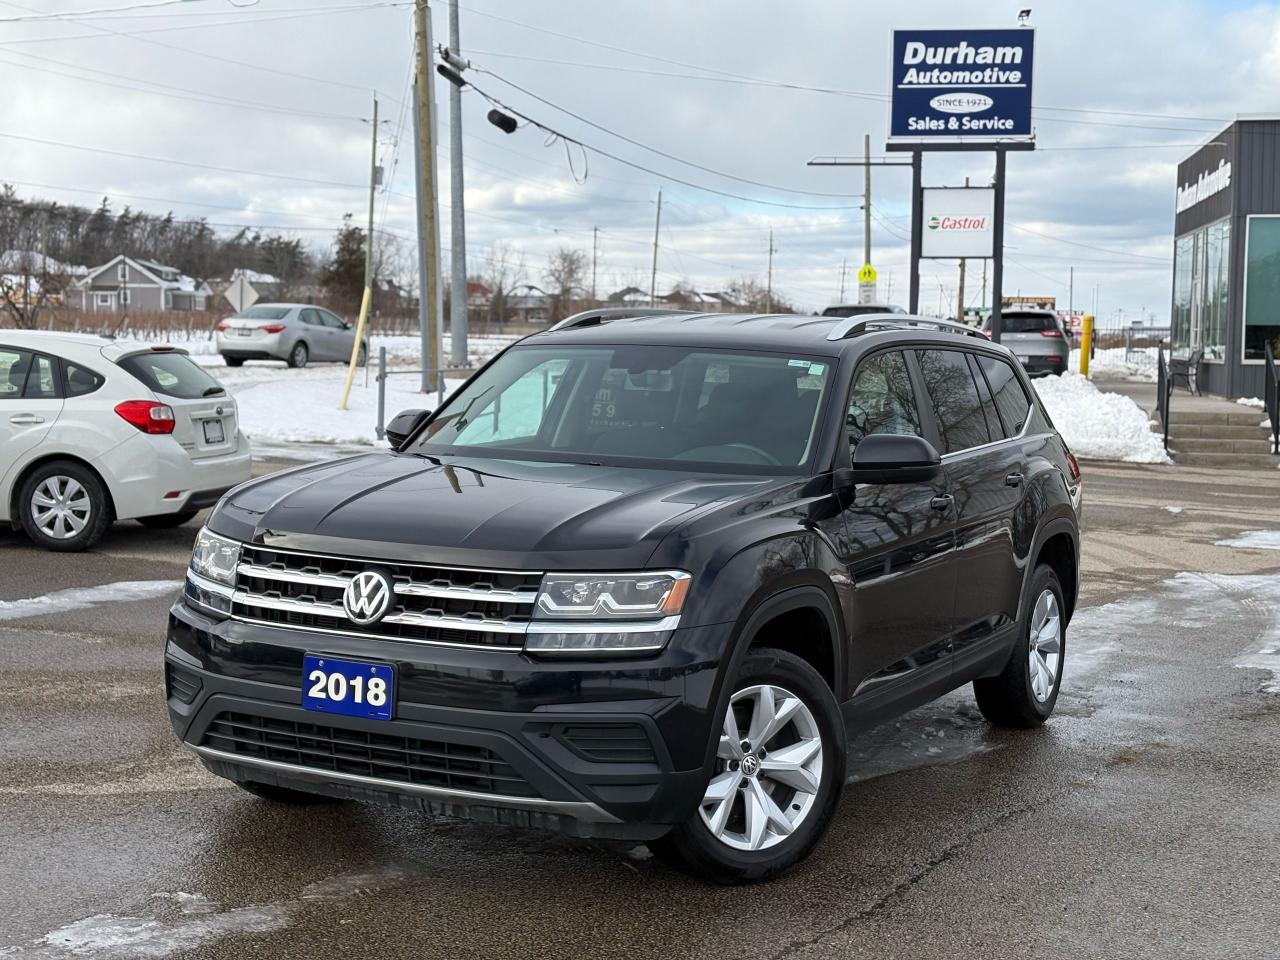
(641, 577)
(1036, 337)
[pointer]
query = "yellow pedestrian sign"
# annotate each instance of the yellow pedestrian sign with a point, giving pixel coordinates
(867, 274)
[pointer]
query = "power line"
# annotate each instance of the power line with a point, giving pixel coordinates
(148, 5)
(1090, 246)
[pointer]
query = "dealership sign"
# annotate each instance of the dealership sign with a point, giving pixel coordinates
(1205, 186)
(958, 222)
(961, 85)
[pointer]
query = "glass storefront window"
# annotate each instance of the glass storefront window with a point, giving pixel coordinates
(1214, 302)
(1262, 287)
(1180, 322)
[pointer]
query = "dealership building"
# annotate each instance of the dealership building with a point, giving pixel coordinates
(1226, 272)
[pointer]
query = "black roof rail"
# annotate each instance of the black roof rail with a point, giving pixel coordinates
(888, 321)
(591, 318)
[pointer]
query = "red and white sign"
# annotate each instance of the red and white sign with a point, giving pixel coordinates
(958, 222)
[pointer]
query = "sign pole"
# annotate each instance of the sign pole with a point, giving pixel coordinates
(997, 248)
(917, 228)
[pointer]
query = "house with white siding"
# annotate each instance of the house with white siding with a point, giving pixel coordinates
(125, 283)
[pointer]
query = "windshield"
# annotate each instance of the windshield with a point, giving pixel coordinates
(1014, 322)
(713, 408)
(263, 313)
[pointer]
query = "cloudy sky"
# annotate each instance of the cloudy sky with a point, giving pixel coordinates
(257, 113)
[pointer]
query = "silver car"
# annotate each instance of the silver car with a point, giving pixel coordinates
(296, 333)
(1036, 338)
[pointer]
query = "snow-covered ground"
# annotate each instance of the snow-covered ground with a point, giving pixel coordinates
(1098, 425)
(1255, 539)
(1117, 363)
(295, 412)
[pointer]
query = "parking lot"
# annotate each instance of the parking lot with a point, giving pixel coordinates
(1141, 821)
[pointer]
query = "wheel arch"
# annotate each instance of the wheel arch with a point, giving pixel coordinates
(21, 477)
(1058, 545)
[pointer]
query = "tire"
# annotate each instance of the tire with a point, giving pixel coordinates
(77, 512)
(363, 356)
(299, 355)
(234, 361)
(167, 520)
(285, 795)
(727, 858)
(1021, 697)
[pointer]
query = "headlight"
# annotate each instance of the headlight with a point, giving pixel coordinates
(586, 614)
(612, 596)
(215, 558)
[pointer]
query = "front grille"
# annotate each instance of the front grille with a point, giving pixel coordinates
(381, 756)
(609, 742)
(485, 608)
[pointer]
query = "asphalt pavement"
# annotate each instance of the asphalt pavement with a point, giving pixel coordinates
(1142, 821)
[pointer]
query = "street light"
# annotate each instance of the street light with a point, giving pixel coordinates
(1023, 16)
(504, 122)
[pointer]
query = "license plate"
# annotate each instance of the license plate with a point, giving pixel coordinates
(348, 687)
(244, 331)
(213, 432)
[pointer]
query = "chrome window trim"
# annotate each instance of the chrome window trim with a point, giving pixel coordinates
(577, 809)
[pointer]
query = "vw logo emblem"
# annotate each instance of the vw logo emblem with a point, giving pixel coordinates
(367, 597)
(750, 765)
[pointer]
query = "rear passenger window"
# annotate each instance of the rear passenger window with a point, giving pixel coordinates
(984, 394)
(954, 398)
(1011, 399)
(80, 380)
(881, 400)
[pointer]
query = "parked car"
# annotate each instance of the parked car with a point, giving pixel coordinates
(861, 309)
(296, 333)
(644, 578)
(94, 430)
(1036, 337)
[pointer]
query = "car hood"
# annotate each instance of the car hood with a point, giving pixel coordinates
(474, 512)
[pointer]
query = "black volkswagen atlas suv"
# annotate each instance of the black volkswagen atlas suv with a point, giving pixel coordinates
(642, 577)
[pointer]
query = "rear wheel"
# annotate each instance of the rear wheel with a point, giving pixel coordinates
(166, 520)
(299, 355)
(777, 777)
(297, 798)
(234, 361)
(63, 506)
(1023, 695)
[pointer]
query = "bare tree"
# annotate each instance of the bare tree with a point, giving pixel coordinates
(29, 284)
(505, 269)
(566, 270)
(750, 294)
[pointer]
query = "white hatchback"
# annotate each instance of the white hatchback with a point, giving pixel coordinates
(94, 430)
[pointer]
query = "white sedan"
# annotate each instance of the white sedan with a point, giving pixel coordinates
(94, 430)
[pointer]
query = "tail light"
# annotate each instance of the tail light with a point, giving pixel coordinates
(272, 328)
(1056, 334)
(224, 327)
(1074, 466)
(147, 415)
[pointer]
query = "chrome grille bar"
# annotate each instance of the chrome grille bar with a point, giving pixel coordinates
(293, 576)
(415, 589)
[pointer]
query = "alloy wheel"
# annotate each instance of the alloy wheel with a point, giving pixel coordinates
(60, 507)
(1045, 646)
(768, 769)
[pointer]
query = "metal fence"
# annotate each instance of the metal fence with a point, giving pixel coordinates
(1140, 343)
(384, 373)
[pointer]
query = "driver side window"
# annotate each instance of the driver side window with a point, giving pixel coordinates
(881, 400)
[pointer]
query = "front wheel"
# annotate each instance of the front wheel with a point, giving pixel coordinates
(777, 777)
(63, 506)
(299, 355)
(363, 356)
(1024, 693)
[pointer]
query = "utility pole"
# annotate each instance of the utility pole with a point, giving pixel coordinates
(768, 289)
(595, 253)
(428, 224)
(366, 299)
(984, 283)
(1071, 292)
(844, 265)
(458, 235)
(866, 198)
(653, 273)
(960, 293)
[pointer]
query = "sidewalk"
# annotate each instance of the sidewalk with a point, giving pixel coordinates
(1144, 395)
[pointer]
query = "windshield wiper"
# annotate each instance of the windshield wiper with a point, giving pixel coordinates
(213, 391)
(462, 417)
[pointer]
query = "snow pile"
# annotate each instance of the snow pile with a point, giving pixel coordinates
(1119, 363)
(1097, 425)
(1254, 539)
(1251, 402)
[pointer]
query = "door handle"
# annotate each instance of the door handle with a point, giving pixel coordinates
(1013, 480)
(942, 502)
(25, 418)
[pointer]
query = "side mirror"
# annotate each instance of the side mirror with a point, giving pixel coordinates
(403, 425)
(892, 458)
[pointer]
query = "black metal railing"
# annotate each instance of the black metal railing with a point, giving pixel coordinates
(1271, 397)
(1164, 391)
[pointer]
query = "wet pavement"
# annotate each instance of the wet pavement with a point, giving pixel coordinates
(1143, 820)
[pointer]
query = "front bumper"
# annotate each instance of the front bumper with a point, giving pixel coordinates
(606, 749)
